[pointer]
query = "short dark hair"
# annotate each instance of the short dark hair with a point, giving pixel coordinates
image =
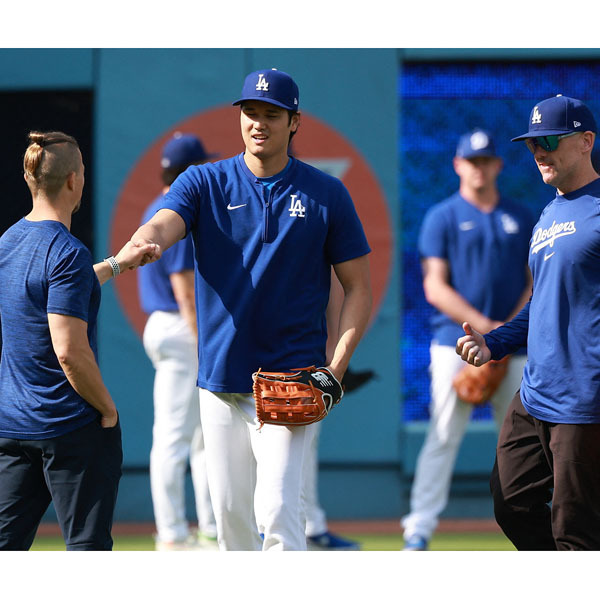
(170, 174)
(291, 113)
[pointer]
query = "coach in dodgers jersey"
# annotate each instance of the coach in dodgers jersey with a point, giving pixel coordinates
(60, 437)
(546, 480)
(266, 229)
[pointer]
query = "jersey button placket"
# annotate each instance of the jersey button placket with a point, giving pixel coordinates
(266, 194)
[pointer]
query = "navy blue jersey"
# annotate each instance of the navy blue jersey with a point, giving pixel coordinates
(43, 269)
(486, 254)
(561, 381)
(154, 284)
(263, 257)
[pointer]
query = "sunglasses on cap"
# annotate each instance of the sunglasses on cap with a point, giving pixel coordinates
(548, 142)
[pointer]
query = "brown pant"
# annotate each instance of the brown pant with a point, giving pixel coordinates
(546, 482)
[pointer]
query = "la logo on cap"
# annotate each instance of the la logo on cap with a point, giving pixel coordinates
(262, 84)
(537, 116)
(479, 140)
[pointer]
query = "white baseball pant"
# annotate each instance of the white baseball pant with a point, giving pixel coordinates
(316, 520)
(449, 417)
(177, 433)
(255, 475)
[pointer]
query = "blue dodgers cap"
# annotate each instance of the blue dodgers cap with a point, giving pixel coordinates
(182, 150)
(272, 86)
(557, 115)
(475, 143)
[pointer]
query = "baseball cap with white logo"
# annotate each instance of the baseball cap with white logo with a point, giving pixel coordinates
(557, 115)
(183, 149)
(475, 143)
(272, 86)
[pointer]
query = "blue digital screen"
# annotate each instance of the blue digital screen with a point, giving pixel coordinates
(438, 103)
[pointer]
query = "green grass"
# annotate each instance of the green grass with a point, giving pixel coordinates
(440, 541)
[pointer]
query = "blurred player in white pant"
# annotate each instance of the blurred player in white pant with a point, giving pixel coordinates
(166, 292)
(473, 249)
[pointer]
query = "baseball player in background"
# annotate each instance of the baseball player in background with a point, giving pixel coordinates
(267, 229)
(468, 244)
(166, 292)
(546, 481)
(60, 436)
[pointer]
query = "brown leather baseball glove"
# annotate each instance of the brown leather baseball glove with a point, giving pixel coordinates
(298, 397)
(476, 385)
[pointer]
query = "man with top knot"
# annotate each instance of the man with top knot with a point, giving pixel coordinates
(60, 435)
(546, 482)
(266, 228)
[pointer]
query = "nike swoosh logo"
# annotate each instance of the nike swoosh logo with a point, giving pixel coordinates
(229, 207)
(547, 256)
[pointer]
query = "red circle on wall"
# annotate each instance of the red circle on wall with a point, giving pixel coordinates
(219, 129)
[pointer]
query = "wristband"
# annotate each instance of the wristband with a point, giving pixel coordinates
(114, 265)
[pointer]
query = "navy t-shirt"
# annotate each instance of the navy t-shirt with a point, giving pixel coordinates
(486, 254)
(43, 269)
(263, 257)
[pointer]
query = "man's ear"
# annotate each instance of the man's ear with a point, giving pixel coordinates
(456, 165)
(71, 180)
(588, 138)
(295, 121)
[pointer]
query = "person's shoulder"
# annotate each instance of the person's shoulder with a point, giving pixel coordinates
(14, 228)
(445, 206)
(219, 166)
(311, 173)
(593, 189)
(61, 246)
(74, 244)
(209, 171)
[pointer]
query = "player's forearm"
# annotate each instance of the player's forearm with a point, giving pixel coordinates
(509, 337)
(182, 284)
(353, 321)
(448, 301)
(152, 233)
(129, 257)
(80, 367)
(187, 309)
(164, 229)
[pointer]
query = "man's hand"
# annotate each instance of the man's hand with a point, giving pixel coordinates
(110, 420)
(137, 254)
(472, 347)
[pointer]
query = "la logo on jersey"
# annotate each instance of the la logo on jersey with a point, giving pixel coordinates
(296, 209)
(509, 224)
(262, 84)
(537, 116)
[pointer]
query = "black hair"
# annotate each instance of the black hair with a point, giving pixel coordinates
(170, 174)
